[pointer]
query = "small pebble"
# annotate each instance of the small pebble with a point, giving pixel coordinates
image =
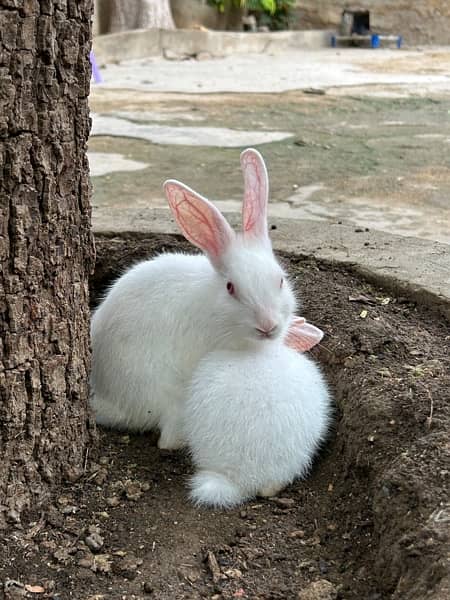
(113, 501)
(94, 542)
(297, 533)
(148, 588)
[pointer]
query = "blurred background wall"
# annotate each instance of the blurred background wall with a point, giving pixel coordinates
(418, 21)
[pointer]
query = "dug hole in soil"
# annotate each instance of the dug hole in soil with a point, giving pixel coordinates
(370, 522)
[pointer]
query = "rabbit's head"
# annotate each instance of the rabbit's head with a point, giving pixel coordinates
(256, 298)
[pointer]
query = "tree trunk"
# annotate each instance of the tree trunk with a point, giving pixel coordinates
(46, 247)
(139, 14)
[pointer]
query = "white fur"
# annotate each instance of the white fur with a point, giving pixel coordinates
(162, 316)
(253, 421)
(169, 317)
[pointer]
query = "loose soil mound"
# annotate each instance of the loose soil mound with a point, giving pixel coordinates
(371, 521)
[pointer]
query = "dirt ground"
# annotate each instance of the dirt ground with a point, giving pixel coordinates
(371, 522)
(379, 162)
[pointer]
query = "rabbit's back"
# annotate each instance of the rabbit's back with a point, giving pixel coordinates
(140, 336)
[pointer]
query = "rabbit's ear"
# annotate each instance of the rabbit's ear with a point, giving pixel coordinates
(199, 220)
(256, 195)
(302, 336)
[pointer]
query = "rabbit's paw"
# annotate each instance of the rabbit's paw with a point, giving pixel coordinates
(214, 489)
(270, 490)
(170, 443)
(170, 438)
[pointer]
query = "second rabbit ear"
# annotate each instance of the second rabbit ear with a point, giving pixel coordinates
(302, 336)
(199, 220)
(256, 195)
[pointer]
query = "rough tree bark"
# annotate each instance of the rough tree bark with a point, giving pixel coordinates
(46, 247)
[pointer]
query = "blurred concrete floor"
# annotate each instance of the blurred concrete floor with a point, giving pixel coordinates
(352, 135)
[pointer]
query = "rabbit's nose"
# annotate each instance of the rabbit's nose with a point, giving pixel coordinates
(267, 329)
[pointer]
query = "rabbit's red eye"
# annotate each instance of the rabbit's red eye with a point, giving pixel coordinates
(230, 288)
(281, 282)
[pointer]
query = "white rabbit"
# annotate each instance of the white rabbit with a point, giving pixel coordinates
(164, 315)
(253, 421)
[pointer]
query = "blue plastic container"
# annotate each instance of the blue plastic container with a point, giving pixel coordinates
(375, 41)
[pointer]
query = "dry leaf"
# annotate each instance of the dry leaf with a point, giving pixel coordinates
(35, 589)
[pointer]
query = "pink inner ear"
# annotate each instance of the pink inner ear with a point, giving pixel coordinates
(200, 221)
(302, 336)
(254, 210)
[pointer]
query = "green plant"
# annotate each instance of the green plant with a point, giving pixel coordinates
(269, 6)
(280, 17)
(274, 14)
(266, 5)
